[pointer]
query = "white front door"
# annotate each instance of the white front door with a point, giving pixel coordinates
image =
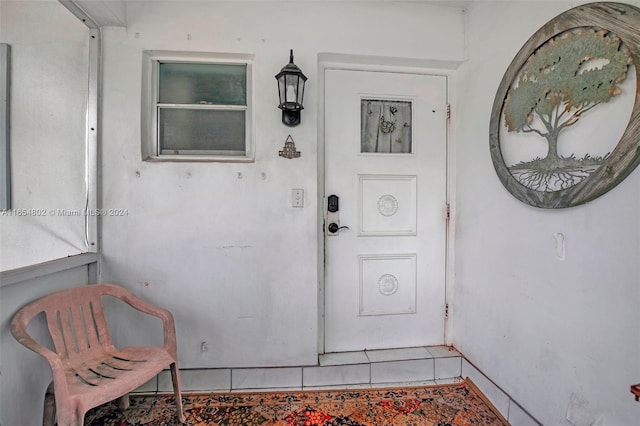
(385, 179)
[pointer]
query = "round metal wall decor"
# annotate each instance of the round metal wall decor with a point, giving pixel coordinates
(565, 123)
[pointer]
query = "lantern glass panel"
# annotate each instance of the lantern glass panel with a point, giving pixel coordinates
(282, 89)
(291, 91)
(301, 83)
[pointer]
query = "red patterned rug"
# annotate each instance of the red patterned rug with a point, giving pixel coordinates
(460, 404)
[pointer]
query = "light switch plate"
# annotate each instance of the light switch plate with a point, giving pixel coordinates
(297, 197)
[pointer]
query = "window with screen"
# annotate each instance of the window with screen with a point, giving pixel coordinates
(199, 107)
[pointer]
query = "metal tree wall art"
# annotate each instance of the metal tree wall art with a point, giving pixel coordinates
(557, 87)
(554, 83)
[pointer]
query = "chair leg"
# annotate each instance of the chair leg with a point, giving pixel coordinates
(69, 417)
(123, 402)
(177, 391)
(49, 413)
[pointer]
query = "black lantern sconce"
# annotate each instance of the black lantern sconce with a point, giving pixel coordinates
(291, 91)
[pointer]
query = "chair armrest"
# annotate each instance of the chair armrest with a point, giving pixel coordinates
(18, 327)
(168, 324)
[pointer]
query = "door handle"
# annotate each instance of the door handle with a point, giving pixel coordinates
(334, 227)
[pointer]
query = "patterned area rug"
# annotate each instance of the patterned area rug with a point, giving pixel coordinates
(459, 404)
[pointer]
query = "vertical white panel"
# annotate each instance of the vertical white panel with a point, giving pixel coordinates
(5, 106)
(49, 125)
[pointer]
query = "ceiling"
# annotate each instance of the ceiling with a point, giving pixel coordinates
(113, 13)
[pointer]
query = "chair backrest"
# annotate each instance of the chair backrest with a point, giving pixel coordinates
(75, 320)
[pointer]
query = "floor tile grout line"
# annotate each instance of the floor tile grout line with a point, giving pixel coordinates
(434, 368)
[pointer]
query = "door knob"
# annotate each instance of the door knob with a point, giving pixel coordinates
(333, 227)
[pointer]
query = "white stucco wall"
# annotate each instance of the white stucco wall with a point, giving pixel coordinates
(228, 255)
(48, 109)
(560, 336)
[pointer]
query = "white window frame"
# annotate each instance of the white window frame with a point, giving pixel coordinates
(150, 105)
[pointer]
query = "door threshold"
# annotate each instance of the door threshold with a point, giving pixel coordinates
(387, 355)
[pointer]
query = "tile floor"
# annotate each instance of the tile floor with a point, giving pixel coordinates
(350, 370)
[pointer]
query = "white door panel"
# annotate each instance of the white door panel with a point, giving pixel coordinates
(384, 274)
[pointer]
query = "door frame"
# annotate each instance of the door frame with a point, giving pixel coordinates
(447, 69)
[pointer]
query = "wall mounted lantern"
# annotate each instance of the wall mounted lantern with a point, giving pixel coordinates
(291, 82)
